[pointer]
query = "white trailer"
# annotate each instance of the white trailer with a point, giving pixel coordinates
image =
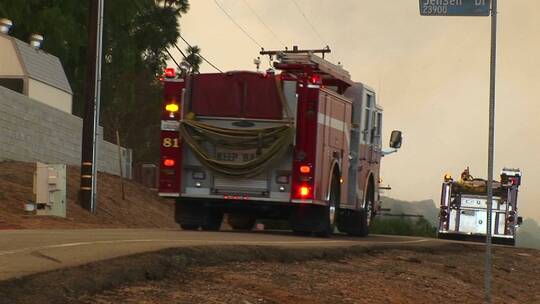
(463, 209)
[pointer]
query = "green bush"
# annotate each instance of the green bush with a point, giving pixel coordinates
(403, 226)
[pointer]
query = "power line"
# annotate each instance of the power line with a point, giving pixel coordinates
(309, 22)
(238, 25)
(263, 23)
(171, 56)
(183, 55)
(202, 57)
(181, 52)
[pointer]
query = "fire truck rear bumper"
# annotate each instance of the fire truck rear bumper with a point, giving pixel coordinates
(500, 239)
(282, 199)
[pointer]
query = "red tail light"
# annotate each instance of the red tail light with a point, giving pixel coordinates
(169, 162)
(304, 191)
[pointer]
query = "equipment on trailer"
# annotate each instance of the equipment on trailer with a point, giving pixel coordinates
(463, 209)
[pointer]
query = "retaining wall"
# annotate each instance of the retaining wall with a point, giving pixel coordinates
(33, 131)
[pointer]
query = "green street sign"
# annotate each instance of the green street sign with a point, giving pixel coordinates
(455, 7)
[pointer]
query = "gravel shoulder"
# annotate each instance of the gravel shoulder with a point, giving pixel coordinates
(380, 276)
(434, 272)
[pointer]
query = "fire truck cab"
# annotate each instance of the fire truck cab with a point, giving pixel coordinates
(301, 142)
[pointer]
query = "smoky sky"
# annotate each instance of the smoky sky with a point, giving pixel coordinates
(431, 75)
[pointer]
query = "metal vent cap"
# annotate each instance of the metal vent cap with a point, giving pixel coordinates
(36, 40)
(5, 25)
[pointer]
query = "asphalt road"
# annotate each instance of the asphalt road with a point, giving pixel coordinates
(24, 252)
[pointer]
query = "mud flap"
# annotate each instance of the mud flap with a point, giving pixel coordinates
(309, 218)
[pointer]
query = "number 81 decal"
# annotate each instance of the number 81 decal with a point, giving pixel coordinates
(170, 142)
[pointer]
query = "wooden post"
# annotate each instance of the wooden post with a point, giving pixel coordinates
(120, 164)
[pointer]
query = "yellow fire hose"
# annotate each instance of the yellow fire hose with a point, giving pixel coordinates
(271, 143)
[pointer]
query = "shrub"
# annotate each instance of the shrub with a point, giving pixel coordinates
(403, 226)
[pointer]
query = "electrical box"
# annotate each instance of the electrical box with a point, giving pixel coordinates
(50, 189)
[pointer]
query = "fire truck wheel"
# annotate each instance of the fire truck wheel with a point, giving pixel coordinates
(366, 215)
(331, 211)
(364, 223)
(189, 227)
(212, 220)
(241, 221)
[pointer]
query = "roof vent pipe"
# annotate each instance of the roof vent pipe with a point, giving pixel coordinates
(36, 40)
(5, 25)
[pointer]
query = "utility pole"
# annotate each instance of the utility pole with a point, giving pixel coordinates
(491, 149)
(92, 90)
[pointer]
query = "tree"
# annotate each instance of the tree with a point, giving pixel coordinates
(193, 58)
(63, 24)
(136, 35)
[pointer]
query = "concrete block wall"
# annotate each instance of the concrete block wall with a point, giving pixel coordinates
(33, 131)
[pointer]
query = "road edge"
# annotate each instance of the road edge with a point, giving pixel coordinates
(68, 285)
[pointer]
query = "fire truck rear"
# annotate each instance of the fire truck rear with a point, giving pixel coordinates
(302, 143)
(463, 210)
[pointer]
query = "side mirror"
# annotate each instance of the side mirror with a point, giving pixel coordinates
(395, 139)
(520, 220)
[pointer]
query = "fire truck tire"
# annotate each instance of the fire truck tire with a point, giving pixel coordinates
(363, 220)
(353, 222)
(364, 224)
(331, 211)
(241, 221)
(328, 220)
(212, 220)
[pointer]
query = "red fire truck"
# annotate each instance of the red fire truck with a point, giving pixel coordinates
(300, 142)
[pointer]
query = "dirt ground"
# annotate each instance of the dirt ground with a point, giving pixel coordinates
(392, 276)
(142, 208)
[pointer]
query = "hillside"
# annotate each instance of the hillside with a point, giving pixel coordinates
(426, 208)
(529, 234)
(141, 208)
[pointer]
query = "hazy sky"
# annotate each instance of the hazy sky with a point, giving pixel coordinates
(431, 75)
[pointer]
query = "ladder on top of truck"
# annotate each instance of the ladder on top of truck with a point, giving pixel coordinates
(292, 59)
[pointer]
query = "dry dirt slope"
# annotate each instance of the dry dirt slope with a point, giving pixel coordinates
(141, 208)
(447, 274)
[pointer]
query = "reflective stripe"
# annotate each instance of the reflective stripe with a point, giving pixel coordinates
(334, 124)
(169, 194)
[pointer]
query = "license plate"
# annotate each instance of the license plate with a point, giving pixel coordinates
(170, 125)
(238, 156)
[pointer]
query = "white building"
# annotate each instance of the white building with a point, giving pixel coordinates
(34, 73)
